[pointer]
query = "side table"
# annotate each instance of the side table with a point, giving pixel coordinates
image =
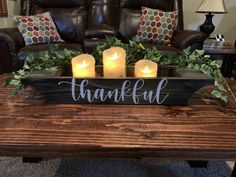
(229, 55)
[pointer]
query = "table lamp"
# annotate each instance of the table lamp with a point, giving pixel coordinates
(210, 7)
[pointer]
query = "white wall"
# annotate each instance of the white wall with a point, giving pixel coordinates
(225, 24)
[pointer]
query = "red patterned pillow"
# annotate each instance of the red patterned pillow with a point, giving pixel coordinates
(157, 26)
(38, 29)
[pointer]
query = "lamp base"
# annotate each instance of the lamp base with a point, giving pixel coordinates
(208, 27)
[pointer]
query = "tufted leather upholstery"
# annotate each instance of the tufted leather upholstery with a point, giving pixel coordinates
(82, 24)
(104, 12)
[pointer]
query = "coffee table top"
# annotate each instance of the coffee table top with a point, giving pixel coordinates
(204, 130)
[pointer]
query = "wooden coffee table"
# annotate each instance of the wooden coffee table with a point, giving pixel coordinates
(205, 130)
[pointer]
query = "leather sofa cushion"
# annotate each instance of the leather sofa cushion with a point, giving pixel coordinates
(91, 43)
(6, 63)
(166, 49)
(104, 12)
(100, 31)
(129, 23)
(40, 48)
(165, 5)
(60, 3)
(70, 22)
(162, 48)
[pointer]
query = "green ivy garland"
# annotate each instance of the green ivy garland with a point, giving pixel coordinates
(51, 60)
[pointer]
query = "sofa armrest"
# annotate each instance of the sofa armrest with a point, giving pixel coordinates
(185, 38)
(13, 38)
(100, 31)
(11, 41)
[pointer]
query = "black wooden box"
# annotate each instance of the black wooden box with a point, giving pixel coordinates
(173, 86)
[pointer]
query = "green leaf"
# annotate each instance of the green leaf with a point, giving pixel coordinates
(17, 77)
(141, 45)
(26, 66)
(21, 72)
(216, 93)
(187, 51)
(14, 82)
(221, 88)
(196, 67)
(200, 52)
(225, 99)
(30, 58)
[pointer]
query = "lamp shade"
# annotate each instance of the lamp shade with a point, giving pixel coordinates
(212, 6)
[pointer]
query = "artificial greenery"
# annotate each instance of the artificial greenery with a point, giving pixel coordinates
(195, 60)
(51, 60)
(134, 49)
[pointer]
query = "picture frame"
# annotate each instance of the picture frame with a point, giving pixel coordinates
(3, 8)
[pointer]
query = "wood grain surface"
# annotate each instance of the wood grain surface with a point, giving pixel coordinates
(205, 130)
(229, 51)
(3, 8)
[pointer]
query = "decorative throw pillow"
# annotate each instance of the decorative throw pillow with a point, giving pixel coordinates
(38, 29)
(157, 26)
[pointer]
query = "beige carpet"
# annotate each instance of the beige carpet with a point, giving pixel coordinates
(74, 167)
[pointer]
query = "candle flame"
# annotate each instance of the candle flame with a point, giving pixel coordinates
(146, 70)
(84, 64)
(114, 56)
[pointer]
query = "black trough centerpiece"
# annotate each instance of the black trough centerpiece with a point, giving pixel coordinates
(178, 76)
(174, 86)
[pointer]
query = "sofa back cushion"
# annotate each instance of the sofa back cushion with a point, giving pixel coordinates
(130, 14)
(70, 16)
(129, 22)
(165, 5)
(60, 3)
(104, 12)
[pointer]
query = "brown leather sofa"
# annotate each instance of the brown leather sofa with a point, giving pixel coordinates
(84, 23)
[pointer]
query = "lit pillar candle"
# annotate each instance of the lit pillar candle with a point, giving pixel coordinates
(114, 62)
(146, 68)
(83, 66)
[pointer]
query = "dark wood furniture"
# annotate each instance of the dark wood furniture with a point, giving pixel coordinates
(205, 130)
(229, 56)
